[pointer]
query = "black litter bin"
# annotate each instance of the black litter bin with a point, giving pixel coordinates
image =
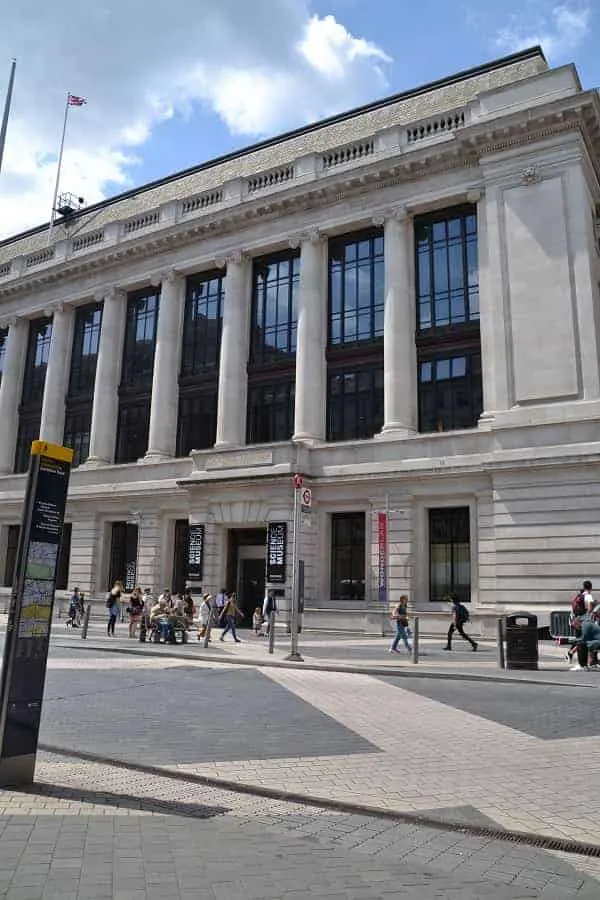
(521, 634)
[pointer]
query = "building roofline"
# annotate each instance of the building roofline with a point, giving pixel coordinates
(521, 55)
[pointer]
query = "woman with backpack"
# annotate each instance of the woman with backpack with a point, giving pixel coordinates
(460, 616)
(113, 605)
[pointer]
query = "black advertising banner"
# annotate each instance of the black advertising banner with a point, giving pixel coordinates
(195, 552)
(30, 613)
(276, 550)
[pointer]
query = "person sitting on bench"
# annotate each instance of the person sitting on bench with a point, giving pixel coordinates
(588, 644)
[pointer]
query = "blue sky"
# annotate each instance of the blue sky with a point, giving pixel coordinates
(191, 79)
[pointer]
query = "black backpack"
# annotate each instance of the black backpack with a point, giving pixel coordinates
(462, 613)
(109, 600)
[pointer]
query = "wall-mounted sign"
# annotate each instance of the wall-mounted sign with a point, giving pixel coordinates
(195, 552)
(276, 552)
(382, 540)
(30, 612)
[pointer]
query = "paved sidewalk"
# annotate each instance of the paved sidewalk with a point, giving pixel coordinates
(341, 653)
(88, 832)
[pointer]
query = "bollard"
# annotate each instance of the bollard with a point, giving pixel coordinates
(206, 640)
(271, 631)
(143, 630)
(500, 643)
(415, 646)
(86, 621)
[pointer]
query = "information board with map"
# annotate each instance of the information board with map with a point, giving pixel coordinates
(30, 612)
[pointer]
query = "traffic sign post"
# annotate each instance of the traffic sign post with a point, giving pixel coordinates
(30, 612)
(294, 654)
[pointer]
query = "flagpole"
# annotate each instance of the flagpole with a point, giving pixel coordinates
(60, 156)
(7, 105)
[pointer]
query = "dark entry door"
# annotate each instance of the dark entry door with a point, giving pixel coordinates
(251, 587)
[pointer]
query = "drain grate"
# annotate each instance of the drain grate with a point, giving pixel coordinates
(541, 841)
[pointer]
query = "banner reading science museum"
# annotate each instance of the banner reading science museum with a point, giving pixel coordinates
(30, 613)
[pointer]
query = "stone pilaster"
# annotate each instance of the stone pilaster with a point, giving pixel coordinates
(233, 377)
(105, 409)
(399, 352)
(52, 424)
(165, 380)
(311, 366)
(11, 389)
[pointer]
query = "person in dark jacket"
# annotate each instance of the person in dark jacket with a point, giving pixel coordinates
(588, 643)
(460, 616)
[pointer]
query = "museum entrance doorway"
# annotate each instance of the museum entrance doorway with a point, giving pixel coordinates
(246, 568)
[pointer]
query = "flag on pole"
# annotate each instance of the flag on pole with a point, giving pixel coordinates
(76, 101)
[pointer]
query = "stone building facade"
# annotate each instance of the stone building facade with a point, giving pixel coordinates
(400, 303)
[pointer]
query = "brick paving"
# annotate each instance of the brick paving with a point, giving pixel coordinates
(91, 831)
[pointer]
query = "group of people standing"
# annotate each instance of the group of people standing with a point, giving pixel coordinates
(142, 604)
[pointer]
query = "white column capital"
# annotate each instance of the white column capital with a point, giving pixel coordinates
(114, 292)
(310, 236)
(475, 195)
(12, 322)
(233, 257)
(396, 214)
(169, 276)
(55, 308)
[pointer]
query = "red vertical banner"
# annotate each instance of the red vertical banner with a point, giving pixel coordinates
(382, 535)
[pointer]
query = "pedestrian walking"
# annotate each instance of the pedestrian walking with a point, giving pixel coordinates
(460, 617)
(204, 615)
(269, 606)
(135, 610)
(400, 617)
(75, 609)
(228, 615)
(113, 605)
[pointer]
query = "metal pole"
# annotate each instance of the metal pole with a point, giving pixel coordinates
(415, 646)
(271, 631)
(294, 652)
(86, 621)
(500, 643)
(206, 640)
(60, 156)
(7, 104)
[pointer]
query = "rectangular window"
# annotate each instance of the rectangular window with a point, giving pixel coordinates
(271, 412)
(197, 421)
(78, 425)
(272, 362)
(135, 391)
(36, 362)
(203, 320)
(12, 546)
(355, 403)
(199, 375)
(133, 430)
(450, 392)
(447, 269)
(449, 554)
(30, 410)
(3, 343)
(140, 340)
(276, 282)
(29, 431)
(356, 288)
(86, 341)
(64, 558)
(448, 339)
(123, 555)
(348, 557)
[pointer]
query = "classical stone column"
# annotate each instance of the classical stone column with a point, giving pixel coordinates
(311, 366)
(233, 375)
(399, 352)
(165, 379)
(105, 409)
(52, 425)
(11, 389)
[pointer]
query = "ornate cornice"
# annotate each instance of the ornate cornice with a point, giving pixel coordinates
(471, 144)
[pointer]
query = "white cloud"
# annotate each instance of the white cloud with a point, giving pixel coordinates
(559, 30)
(261, 67)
